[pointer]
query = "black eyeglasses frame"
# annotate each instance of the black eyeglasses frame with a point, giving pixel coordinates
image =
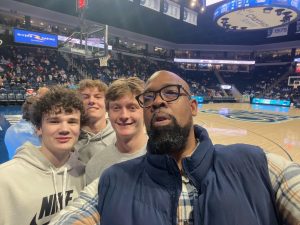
(179, 86)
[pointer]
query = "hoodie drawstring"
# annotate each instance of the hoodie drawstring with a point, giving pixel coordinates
(55, 187)
(64, 187)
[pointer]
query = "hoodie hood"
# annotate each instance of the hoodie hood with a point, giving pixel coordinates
(33, 156)
(86, 137)
(89, 144)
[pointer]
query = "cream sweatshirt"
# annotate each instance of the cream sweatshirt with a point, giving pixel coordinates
(32, 190)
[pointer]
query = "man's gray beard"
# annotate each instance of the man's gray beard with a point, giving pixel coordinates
(168, 139)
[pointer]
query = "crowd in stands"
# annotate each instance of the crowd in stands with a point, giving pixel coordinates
(23, 68)
(264, 81)
(273, 58)
(27, 68)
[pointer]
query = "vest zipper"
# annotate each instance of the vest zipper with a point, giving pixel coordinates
(188, 175)
(174, 191)
(196, 208)
(174, 209)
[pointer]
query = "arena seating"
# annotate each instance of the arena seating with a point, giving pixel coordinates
(25, 68)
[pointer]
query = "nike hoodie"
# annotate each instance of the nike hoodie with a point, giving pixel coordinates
(32, 190)
(89, 144)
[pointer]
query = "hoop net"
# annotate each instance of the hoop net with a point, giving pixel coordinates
(103, 61)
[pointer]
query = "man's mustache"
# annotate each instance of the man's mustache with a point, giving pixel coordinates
(161, 115)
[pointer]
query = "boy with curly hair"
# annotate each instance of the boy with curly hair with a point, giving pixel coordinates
(41, 180)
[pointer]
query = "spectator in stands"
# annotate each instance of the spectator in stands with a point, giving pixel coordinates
(23, 129)
(40, 181)
(185, 179)
(127, 120)
(42, 91)
(97, 132)
(1, 82)
(21, 132)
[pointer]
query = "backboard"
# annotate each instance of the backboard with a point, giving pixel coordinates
(294, 81)
(91, 44)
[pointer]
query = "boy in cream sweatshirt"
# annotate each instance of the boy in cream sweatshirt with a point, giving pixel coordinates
(41, 180)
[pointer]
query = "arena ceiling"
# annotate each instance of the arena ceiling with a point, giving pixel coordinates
(133, 17)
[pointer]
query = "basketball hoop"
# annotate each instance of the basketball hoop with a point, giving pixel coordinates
(103, 61)
(295, 85)
(90, 44)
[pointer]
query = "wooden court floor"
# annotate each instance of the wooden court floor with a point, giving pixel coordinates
(275, 129)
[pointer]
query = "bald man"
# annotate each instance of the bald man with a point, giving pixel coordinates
(185, 179)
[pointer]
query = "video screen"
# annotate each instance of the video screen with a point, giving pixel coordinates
(35, 38)
(271, 102)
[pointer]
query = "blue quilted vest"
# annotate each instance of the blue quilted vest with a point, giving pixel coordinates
(232, 181)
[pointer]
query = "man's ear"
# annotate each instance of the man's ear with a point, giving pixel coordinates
(194, 106)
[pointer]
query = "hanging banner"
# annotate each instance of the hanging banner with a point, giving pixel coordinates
(190, 16)
(298, 26)
(151, 4)
(278, 31)
(171, 9)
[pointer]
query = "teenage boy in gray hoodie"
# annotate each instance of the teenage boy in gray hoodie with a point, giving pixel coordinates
(41, 180)
(96, 132)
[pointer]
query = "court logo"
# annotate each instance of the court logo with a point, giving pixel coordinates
(261, 117)
(13, 119)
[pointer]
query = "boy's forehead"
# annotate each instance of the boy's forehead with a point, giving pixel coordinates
(57, 112)
(130, 98)
(91, 89)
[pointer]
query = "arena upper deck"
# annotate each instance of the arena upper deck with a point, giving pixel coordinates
(131, 16)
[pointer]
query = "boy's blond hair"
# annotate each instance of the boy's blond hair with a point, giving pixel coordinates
(88, 83)
(123, 86)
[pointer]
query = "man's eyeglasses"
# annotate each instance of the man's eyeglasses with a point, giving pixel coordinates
(168, 93)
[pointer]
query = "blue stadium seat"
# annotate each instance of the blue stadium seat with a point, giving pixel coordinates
(3, 98)
(20, 98)
(11, 97)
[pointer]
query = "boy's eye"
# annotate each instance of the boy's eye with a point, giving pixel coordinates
(53, 121)
(133, 108)
(74, 122)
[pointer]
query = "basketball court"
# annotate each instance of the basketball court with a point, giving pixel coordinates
(275, 129)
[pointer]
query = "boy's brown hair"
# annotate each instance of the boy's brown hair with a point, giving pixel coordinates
(122, 87)
(88, 83)
(56, 100)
